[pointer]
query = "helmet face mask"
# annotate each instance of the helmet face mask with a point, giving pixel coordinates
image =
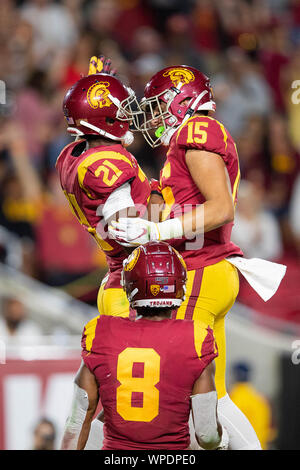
(154, 276)
(184, 90)
(129, 109)
(157, 109)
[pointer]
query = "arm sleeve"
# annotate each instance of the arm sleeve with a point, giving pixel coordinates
(118, 200)
(203, 133)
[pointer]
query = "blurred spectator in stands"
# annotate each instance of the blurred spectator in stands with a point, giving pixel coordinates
(77, 10)
(164, 9)
(143, 69)
(284, 165)
(237, 21)
(252, 403)
(147, 57)
(67, 67)
(251, 145)
(146, 40)
(110, 48)
(102, 19)
(205, 19)
(33, 112)
(53, 28)
(273, 54)
(15, 326)
(17, 209)
(256, 230)
(44, 435)
(180, 46)
(16, 40)
(240, 91)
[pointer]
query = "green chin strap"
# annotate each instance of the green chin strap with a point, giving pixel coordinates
(159, 132)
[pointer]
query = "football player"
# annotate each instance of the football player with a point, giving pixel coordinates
(148, 372)
(99, 177)
(199, 184)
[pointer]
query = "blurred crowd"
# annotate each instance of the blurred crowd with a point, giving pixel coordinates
(251, 51)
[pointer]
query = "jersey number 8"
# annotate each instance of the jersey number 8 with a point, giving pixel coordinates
(144, 385)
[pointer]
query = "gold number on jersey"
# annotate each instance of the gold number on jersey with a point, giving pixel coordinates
(105, 168)
(195, 133)
(144, 385)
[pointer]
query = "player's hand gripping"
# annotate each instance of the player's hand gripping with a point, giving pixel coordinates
(136, 231)
(133, 231)
(100, 65)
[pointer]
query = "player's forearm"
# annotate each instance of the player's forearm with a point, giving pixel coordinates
(85, 432)
(203, 218)
(206, 217)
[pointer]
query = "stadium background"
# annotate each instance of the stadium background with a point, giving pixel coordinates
(50, 270)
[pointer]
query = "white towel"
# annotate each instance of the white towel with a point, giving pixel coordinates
(264, 276)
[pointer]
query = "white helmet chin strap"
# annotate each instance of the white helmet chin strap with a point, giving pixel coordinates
(99, 131)
(126, 139)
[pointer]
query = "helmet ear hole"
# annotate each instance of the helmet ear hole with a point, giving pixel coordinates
(110, 120)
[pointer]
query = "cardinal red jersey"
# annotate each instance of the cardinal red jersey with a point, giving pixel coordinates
(181, 193)
(88, 177)
(146, 371)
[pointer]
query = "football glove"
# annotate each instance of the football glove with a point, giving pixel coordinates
(136, 231)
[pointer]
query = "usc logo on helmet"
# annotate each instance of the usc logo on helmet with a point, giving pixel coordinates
(97, 95)
(180, 76)
(131, 261)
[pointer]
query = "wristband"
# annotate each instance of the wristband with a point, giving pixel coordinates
(170, 229)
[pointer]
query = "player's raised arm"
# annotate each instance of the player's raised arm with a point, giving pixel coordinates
(209, 173)
(84, 404)
(204, 401)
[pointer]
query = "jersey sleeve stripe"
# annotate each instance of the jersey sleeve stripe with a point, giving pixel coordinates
(238, 177)
(222, 129)
(87, 162)
(90, 332)
(236, 184)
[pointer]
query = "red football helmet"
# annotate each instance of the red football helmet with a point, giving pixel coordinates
(154, 275)
(100, 104)
(172, 86)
